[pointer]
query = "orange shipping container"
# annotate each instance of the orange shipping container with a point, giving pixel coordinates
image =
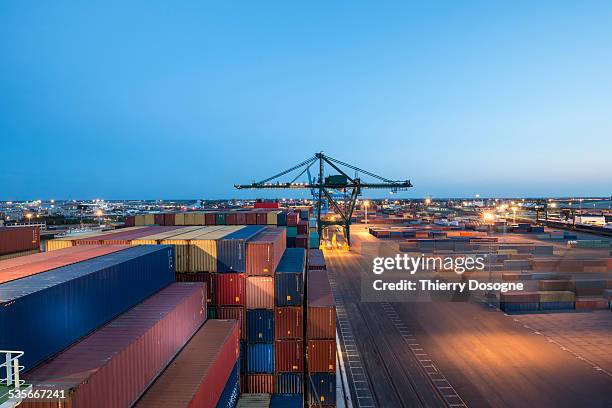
(260, 292)
(321, 356)
(288, 323)
(288, 356)
(260, 383)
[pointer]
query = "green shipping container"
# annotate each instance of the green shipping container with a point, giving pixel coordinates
(220, 219)
(292, 232)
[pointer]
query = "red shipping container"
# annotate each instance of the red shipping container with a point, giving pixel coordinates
(321, 307)
(302, 227)
(197, 377)
(316, 260)
(260, 292)
(234, 313)
(28, 265)
(231, 289)
(241, 218)
(596, 303)
(129, 221)
(211, 283)
(230, 218)
(169, 219)
(262, 218)
(265, 250)
(301, 241)
(19, 239)
(292, 219)
(113, 366)
(322, 356)
(210, 218)
(266, 204)
(288, 356)
(288, 323)
(159, 219)
(251, 218)
(260, 383)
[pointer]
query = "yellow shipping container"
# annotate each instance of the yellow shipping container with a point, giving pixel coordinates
(557, 296)
(67, 242)
(190, 218)
(181, 244)
(199, 218)
(203, 248)
(155, 239)
(179, 219)
(507, 251)
(149, 219)
(139, 220)
(273, 217)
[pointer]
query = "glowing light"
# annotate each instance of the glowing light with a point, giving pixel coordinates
(553, 205)
(488, 216)
(427, 201)
(99, 213)
(366, 204)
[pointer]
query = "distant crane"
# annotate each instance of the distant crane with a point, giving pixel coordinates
(328, 188)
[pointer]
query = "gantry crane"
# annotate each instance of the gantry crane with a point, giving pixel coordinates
(322, 188)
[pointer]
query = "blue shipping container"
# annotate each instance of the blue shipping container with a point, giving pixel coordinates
(286, 401)
(260, 358)
(322, 389)
(281, 219)
(231, 391)
(45, 313)
(292, 232)
(231, 249)
(289, 383)
(242, 359)
(519, 307)
(260, 326)
(289, 278)
(556, 305)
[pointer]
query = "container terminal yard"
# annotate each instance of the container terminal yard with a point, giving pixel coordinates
(303, 303)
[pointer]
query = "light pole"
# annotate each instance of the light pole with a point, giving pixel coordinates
(29, 217)
(366, 204)
(99, 214)
(514, 208)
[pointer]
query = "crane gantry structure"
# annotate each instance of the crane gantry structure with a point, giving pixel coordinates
(323, 187)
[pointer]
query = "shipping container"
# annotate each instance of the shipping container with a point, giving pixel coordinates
(169, 219)
(260, 326)
(19, 239)
(265, 250)
(292, 219)
(203, 248)
(322, 387)
(179, 219)
(209, 278)
(260, 358)
(250, 218)
(18, 268)
(230, 218)
(321, 308)
(231, 392)
(287, 401)
(272, 217)
(281, 218)
(291, 232)
(316, 260)
(220, 218)
(99, 370)
(260, 383)
(237, 313)
(199, 374)
(289, 355)
(159, 219)
(210, 218)
(288, 322)
(322, 355)
(289, 278)
(241, 218)
(252, 400)
(260, 292)
(231, 249)
(289, 383)
(231, 289)
(67, 303)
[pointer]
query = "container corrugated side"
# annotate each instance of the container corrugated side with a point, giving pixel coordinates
(203, 249)
(260, 358)
(289, 383)
(231, 249)
(289, 356)
(322, 355)
(231, 289)
(67, 303)
(198, 375)
(19, 239)
(288, 322)
(260, 383)
(254, 400)
(231, 391)
(260, 326)
(260, 292)
(322, 389)
(99, 371)
(289, 278)
(287, 401)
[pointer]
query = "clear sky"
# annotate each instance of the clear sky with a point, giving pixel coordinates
(184, 99)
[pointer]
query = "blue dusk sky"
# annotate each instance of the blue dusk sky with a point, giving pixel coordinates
(147, 99)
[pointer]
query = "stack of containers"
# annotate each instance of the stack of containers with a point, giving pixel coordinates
(321, 336)
(204, 374)
(263, 254)
(288, 320)
(62, 305)
(292, 230)
(302, 238)
(97, 372)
